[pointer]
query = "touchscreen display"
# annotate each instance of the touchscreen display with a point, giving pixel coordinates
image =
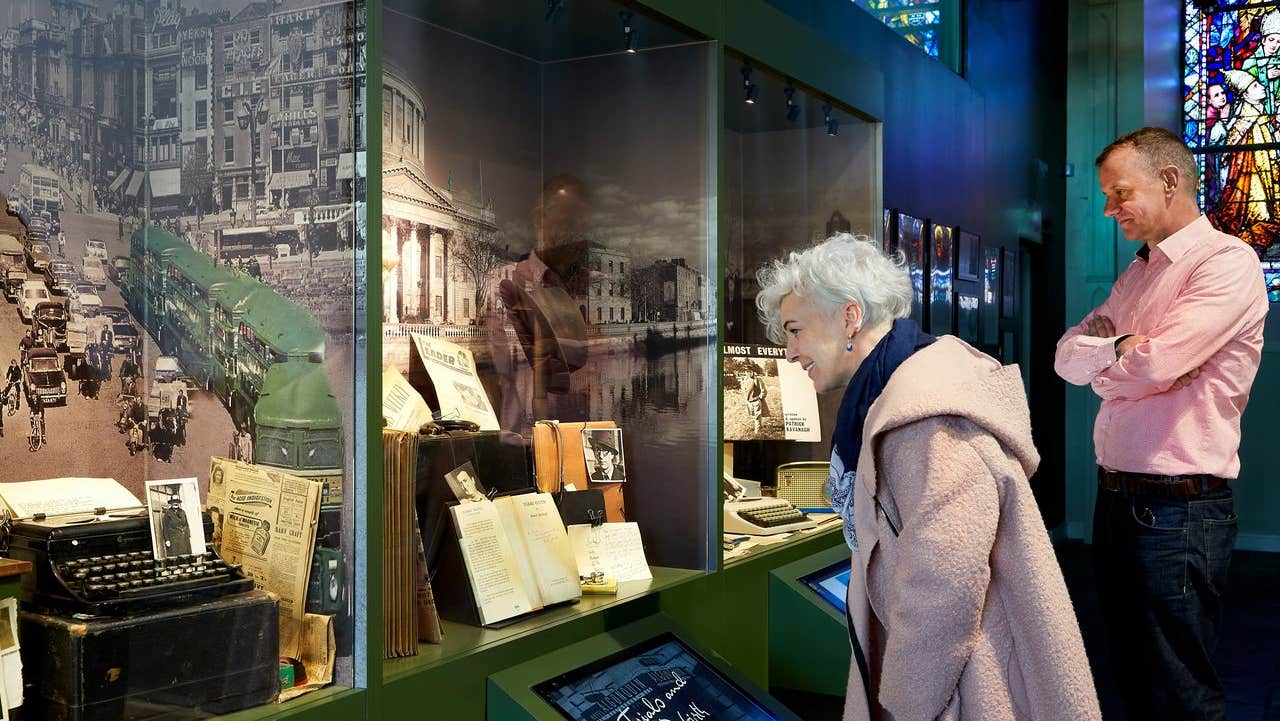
(831, 583)
(660, 678)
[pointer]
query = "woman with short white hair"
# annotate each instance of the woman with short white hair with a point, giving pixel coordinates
(957, 607)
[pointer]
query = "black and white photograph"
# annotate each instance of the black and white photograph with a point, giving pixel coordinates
(174, 509)
(465, 483)
(573, 259)
(602, 449)
(752, 400)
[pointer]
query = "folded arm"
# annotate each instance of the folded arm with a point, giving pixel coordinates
(1220, 299)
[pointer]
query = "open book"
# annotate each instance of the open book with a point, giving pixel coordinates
(517, 555)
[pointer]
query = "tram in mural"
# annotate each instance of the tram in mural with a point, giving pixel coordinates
(261, 354)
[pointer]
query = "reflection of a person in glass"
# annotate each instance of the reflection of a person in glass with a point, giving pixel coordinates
(540, 297)
(175, 529)
(607, 467)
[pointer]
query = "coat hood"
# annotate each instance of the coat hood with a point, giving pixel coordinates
(952, 378)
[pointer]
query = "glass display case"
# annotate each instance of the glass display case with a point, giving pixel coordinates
(798, 168)
(548, 215)
(183, 413)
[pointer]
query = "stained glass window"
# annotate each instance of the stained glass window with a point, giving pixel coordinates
(919, 21)
(1231, 100)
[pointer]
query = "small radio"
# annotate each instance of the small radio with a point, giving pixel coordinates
(802, 483)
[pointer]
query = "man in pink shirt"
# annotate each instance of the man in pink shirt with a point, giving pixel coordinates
(1172, 352)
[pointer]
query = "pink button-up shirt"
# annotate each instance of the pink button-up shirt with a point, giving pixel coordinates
(1201, 299)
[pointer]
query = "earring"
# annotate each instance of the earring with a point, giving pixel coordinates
(849, 348)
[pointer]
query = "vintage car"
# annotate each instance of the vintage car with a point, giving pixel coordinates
(115, 313)
(118, 269)
(31, 293)
(124, 336)
(42, 375)
(13, 280)
(95, 248)
(38, 256)
(85, 304)
(59, 276)
(49, 323)
(12, 254)
(81, 286)
(94, 273)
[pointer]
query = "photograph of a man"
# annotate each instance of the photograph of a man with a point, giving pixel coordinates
(176, 526)
(465, 484)
(602, 448)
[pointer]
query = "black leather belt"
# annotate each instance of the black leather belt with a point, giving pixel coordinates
(1146, 484)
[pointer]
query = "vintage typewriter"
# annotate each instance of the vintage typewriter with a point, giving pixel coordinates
(764, 517)
(102, 564)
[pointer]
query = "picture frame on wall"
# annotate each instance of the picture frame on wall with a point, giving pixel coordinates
(967, 309)
(968, 257)
(991, 289)
(890, 238)
(941, 285)
(1009, 283)
(911, 243)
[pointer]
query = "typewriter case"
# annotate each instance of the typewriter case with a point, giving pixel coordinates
(212, 658)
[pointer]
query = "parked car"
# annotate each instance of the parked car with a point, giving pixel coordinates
(12, 253)
(38, 256)
(115, 313)
(85, 304)
(118, 269)
(81, 286)
(94, 273)
(166, 369)
(43, 376)
(59, 276)
(96, 248)
(13, 280)
(33, 294)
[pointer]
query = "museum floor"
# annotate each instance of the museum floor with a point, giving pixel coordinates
(1248, 655)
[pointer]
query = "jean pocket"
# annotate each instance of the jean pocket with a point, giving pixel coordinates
(1160, 546)
(1219, 540)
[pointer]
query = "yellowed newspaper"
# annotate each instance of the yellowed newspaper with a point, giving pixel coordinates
(452, 370)
(403, 408)
(267, 522)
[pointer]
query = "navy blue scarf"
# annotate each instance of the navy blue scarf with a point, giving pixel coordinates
(903, 339)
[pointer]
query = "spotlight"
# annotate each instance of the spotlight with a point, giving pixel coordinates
(628, 37)
(750, 91)
(553, 10)
(833, 125)
(793, 109)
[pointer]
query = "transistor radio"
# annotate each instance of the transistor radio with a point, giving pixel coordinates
(801, 483)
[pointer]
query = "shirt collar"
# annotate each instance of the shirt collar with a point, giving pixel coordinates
(1177, 245)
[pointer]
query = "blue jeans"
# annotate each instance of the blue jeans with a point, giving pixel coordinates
(1161, 567)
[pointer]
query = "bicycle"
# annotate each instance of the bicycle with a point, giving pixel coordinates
(36, 439)
(12, 398)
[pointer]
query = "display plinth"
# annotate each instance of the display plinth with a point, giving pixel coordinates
(808, 637)
(510, 695)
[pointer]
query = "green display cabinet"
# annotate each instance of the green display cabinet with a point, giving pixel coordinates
(808, 636)
(648, 669)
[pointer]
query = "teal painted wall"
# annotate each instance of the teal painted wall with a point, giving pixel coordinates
(1124, 73)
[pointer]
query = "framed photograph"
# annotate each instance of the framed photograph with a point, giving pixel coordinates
(1008, 348)
(990, 322)
(911, 242)
(890, 230)
(967, 255)
(174, 509)
(602, 448)
(465, 483)
(941, 249)
(1009, 284)
(967, 305)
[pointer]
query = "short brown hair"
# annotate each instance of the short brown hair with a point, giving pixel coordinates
(1160, 148)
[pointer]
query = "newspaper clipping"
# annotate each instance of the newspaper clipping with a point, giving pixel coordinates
(766, 398)
(265, 519)
(452, 370)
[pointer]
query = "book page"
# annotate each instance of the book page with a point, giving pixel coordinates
(550, 554)
(452, 370)
(499, 590)
(614, 548)
(520, 548)
(56, 496)
(402, 406)
(766, 398)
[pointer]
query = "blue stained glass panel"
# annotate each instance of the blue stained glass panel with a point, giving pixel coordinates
(917, 21)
